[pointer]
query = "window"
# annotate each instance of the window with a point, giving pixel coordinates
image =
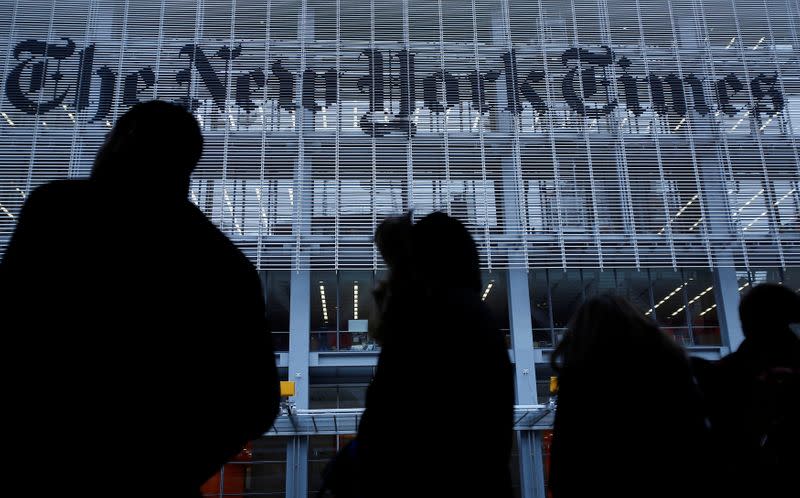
(669, 308)
(541, 315)
(494, 294)
(276, 285)
(260, 469)
(567, 293)
(702, 308)
(342, 306)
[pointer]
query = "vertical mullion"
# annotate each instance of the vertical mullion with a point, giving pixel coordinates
(690, 136)
(725, 156)
(657, 142)
(336, 153)
(516, 162)
(11, 36)
(160, 46)
(767, 183)
(445, 134)
(620, 149)
(481, 139)
(226, 117)
(373, 142)
(37, 119)
(300, 170)
(412, 105)
(263, 156)
(123, 46)
(779, 72)
(77, 145)
(588, 145)
(552, 140)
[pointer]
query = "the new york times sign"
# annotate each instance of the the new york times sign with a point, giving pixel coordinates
(37, 85)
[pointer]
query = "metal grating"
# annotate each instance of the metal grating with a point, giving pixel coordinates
(595, 134)
(345, 420)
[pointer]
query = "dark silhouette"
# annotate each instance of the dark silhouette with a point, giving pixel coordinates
(435, 424)
(629, 420)
(753, 398)
(142, 357)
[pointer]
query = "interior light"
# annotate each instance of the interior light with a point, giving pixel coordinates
(10, 123)
(3, 208)
(694, 299)
(324, 303)
(355, 300)
(668, 296)
(487, 291)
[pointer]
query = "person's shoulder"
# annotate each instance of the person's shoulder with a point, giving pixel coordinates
(60, 189)
(205, 232)
(47, 201)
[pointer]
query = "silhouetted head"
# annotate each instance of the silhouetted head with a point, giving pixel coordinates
(435, 254)
(443, 253)
(154, 146)
(393, 240)
(609, 330)
(437, 251)
(768, 309)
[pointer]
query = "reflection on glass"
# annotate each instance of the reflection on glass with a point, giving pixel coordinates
(259, 469)
(320, 451)
(635, 286)
(337, 396)
(540, 309)
(702, 308)
(567, 293)
(494, 293)
(276, 290)
(791, 278)
(597, 282)
(669, 308)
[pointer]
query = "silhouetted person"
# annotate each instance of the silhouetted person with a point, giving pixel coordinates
(142, 358)
(629, 421)
(439, 411)
(753, 397)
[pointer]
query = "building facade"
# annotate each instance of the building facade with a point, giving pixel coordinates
(645, 147)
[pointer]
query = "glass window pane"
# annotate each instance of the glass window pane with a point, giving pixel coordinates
(540, 309)
(259, 469)
(635, 286)
(352, 396)
(597, 282)
(320, 450)
(267, 472)
(356, 308)
(791, 278)
(276, 289)
(669, 295)
(567, 293)
(322, 397)
(702, 307)
(494, 294)
(324, 310)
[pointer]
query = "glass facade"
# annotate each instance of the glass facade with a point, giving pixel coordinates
(637, 146)
(681, 301)
(641, 133)
(342, 306)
